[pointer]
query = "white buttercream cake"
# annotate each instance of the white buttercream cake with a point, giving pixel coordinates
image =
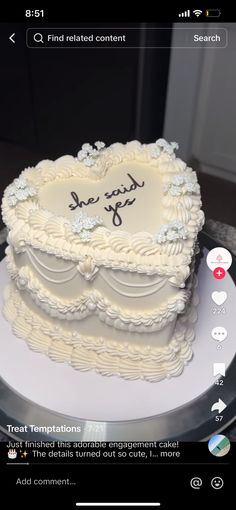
(100, 253)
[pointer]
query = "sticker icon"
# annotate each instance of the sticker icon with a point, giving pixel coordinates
(219, 333)
(219, 298)
(217, 482)
(12, 453)
(219, 258)
(23, 454)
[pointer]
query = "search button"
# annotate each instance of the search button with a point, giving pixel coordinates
(38, 38)
(196, 482)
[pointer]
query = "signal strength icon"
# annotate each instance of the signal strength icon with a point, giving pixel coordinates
(185, 14)
(197, 12)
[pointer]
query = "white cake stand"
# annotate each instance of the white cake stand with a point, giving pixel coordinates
(36, 390)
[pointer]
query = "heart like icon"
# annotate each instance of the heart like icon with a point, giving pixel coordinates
(219, 297)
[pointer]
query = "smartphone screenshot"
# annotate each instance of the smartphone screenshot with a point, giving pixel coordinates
(118, 257)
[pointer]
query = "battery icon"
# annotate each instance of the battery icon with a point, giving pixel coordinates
(212, 13)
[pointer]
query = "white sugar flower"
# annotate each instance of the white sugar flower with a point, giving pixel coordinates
(167, 147)
(85, 236)
(89, 161)
(88, 153)
(177, 224)
(172, 232)
(175, 191)
(99, 145)
(161, 238)
(83, 224)
(182, 184)
(19, 190)
(81, 155)
(161, 142)
(174, 146)
(191, 177)
(155, 152)
(178, 179)
(162, 146)
(172, 235)
(87, 147)
(190, 187)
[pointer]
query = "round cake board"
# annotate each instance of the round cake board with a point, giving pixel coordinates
(90, 396)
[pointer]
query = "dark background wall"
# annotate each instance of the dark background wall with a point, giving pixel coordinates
(54, 100)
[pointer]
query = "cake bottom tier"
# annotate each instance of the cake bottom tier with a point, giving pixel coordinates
(107, 357)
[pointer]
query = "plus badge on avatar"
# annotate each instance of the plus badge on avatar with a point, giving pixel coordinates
(219, 273)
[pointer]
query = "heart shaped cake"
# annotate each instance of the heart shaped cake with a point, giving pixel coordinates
(101, 255)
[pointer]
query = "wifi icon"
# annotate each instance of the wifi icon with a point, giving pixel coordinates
(197, 12)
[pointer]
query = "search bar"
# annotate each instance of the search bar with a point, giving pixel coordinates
(128, 38)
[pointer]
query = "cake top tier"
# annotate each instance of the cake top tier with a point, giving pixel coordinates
(134, 206)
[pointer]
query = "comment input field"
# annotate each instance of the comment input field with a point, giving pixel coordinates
(126, 38)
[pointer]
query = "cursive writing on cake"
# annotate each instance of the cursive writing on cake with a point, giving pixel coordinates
(108, 195)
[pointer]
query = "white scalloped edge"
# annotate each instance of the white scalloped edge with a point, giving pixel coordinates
(94, 302)
(104, 356)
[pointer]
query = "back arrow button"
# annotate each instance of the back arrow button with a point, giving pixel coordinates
(12, 38)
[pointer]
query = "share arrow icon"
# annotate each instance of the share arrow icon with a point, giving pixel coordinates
(219, 406)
